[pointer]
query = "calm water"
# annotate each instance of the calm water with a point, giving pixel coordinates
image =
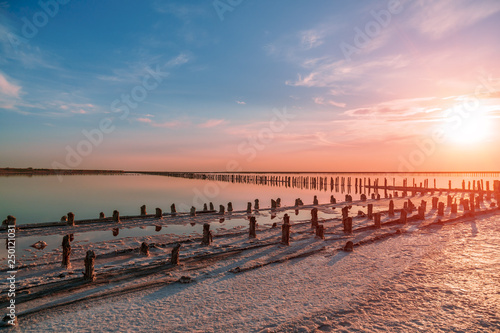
(47, 199)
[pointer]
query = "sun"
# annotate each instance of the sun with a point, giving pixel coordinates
(472, 128)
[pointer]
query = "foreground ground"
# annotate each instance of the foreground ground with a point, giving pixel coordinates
(421, 276)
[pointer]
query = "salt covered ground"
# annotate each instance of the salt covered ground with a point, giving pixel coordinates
(422, 276)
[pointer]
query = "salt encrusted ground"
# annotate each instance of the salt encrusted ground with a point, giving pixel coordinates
(417, 276)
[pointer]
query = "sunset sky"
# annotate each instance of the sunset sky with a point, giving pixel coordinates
(250, 85)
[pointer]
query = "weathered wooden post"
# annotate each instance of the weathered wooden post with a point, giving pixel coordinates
(211, 205)
(435, 201)
(332, 200)
(174, 259)
(349, 246)
(249, 207)
(229, 207)
(466, 205)
(391, 208)
(158, 228)
(89, 274)
(66, 252)
(205, 207)
(378, 197)
(315, 200)
(207, 234)
(143, 210)
(115, 231)
(421, 212)
(347, 225)
(144, 250)
(370, 211)
(285, 230)
(251, 230)
(273, 204)
(472, 200)
(373, 196)
(71, 219)
(345, 212)
(278, 203)
(314, 218)
(116, 216)
(363, 197)
(173, 210)
(256, 205)
(454, 208)
(192, 212)
(449, 201)
(376, 219)
(440, 209)
(221, 209)
(159, 213)
(320, 231)
(403, 218)
(102, 216)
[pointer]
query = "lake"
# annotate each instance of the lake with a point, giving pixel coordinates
(48, 198)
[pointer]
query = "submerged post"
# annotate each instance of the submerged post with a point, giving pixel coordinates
(101, 215)
(71, 219)
(332, 200)
(159, 213)
(229, 207)
(89, 274)
(143, 210)
(256, 205)
(251, 230)
(173, 211)
(66, 252)
(249, 207)
(116, 216)
(315, 200)
(192, 212)
(207, 235)
(221, 209)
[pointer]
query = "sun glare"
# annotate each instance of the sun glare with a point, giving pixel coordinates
(473, 129)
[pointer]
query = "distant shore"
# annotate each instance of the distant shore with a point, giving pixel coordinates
(48, 172)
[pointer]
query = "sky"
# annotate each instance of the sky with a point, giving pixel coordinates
(240, 85)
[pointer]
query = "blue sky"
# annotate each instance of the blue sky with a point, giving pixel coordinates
(364, 84)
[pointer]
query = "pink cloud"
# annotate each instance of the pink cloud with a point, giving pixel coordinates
(211, 123)
(7, 88)
(144, 120)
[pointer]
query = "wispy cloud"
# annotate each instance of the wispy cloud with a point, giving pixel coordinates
(241, 102)
(311, 38)
(212, 123)
(7, 88)
(331, 72)
(322, 101)
(437, 19)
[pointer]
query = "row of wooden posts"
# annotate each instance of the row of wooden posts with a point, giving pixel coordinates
(469, 207)
(323, 182)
